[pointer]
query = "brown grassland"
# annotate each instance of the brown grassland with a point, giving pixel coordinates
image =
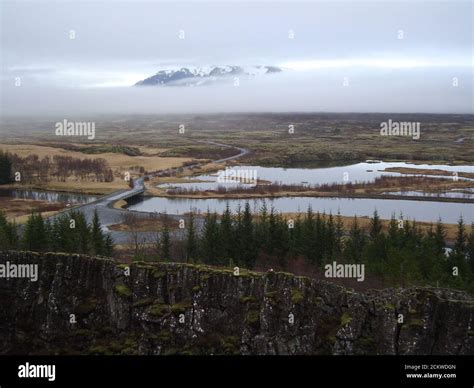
(119, 162)
(18, 210)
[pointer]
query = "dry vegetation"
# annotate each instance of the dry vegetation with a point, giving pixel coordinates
(427, 171)
(317, 136)
(145, 224)
(119, 162)
(18, 210)
(378, 188)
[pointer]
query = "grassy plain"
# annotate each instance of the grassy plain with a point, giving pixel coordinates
(316, 137)
(157, 144)
(119, 162)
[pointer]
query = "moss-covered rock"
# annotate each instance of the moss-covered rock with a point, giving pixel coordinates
(123, 290)
(296, 296)
(159, 309)
(253, 317)
(345, 319)
(158, 274)
(180, 308)
(225, 314)
(247, 299)
(143, 302)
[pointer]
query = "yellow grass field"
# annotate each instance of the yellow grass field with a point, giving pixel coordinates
(144, 225)
(115, 160)
(118, 162)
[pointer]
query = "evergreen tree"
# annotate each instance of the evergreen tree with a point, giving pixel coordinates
(263, 230)
(295, 237)
(210, 239)
(280, 240)
(62, 234)
(457, 258)
(8, 233)
(330, 238)
(97, 236)
(237, 238)
(308, 233)
(461, 238)
(439, 239)
(108, 246)
(191, 239)
(226, 236)
(272, 238)
(355, 243)
(394, 232)
(432, 259)
(166, 239)
(83, 237)
(375, 226)
(339, 234)
(34, 237)
(5, 168)
(247, 238)
(319, 243)
(470, 251)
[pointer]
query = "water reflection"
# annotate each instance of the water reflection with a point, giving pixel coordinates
(428, 211)
(49, 196)
(317, 174)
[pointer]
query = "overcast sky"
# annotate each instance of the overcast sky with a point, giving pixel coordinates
(119, 43)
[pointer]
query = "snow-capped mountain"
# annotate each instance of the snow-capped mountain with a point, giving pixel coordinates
(187, 76)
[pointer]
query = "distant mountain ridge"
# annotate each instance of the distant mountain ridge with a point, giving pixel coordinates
(199, 76)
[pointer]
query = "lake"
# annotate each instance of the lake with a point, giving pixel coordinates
(429, 211)
(358, 172)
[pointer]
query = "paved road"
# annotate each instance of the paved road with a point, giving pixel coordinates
(242, 151)
(109, 215)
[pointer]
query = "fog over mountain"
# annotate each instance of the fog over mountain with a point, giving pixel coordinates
(200, 76)
(86, 57)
